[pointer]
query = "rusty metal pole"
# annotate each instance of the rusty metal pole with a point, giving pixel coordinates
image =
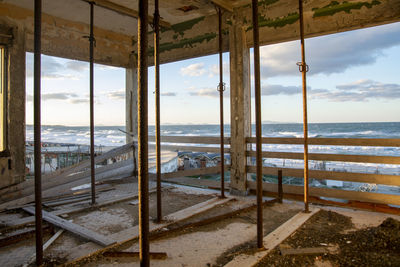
(157, 96)
(91, 52)
(143, 134)
(37, 131)
(280, 187)
(303, 67)
(257, 95)
(221, 89)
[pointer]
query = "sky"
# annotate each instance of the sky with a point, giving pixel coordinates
(354, 77)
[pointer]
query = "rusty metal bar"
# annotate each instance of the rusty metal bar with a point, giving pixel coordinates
(303, 67)
(143, 178)
(258, 123)
(37, 131)
(156, 25)
(91, 52)
(280, 187)
(221, 89)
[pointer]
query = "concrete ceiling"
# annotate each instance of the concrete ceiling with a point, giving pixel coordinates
(171, 11)
(194, 24)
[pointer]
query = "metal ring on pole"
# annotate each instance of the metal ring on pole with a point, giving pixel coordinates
(303, 67)
(223, 87)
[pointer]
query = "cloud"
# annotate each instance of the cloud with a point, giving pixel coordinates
(168, 94)
(79, 101)
(266, 90)
(53, 96)
(275, 89)
(193, 70)
(361, 90)
(207, 92)
(331, 53)
(50, 68)
(214, 70)
(77, 65)
(117, 95)
(358, 91)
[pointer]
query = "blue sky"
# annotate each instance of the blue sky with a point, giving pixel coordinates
(353, 77)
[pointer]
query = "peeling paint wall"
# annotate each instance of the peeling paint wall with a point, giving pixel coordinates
(278, 21)
(64, 38)
(12, 162)
(197, 37)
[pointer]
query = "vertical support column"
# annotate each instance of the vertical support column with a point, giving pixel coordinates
(143, 134)
(221, 89)
(303, 67)
(131, 116)
(13, 165)
(37, 131)
(91, 52)
(240, 101)
(257, 95)
(157, 96)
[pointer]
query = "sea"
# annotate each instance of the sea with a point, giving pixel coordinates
(115, 136)
(112, 136)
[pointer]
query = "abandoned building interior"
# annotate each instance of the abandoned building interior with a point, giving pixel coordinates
(131, 216)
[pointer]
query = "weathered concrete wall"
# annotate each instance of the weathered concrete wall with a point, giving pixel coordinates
(12, 162)
(64, 38)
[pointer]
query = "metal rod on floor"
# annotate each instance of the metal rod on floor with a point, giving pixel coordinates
(258, 123)
(157, 96)
(303, 67)
(91, 51)
(37, 131)
(221, 89)
(143, 133)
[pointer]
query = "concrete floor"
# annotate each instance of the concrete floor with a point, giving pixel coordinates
(207, 245)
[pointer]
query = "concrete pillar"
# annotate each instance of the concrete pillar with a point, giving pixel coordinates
(12, 160)
(240, 104)
(131, 118)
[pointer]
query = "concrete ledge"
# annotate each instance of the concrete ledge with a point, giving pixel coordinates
(273, 239)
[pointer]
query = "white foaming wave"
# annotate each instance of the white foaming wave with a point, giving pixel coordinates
(294, 134)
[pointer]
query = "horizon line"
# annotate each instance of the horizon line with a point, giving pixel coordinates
(181, 124)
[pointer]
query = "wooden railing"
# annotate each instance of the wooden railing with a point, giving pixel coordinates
(372, 178)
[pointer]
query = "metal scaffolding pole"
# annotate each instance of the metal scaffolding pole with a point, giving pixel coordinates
(157, 96)
(221, 88)
(143, 134)
(303, 67)
(37, 131)
(91, 52)
(258, 123)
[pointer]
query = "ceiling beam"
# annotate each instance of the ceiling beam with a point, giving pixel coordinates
(124, 10)
(223, 4)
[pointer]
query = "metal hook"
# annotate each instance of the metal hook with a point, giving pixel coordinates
(219, 87)
(303, 67)
(90, 39)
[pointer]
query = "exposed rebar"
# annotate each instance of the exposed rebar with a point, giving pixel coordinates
(304, 69)
(156, 25)
(37, 131)
(143, 134)
(257, 96)
(221, 88)
(91, 52)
